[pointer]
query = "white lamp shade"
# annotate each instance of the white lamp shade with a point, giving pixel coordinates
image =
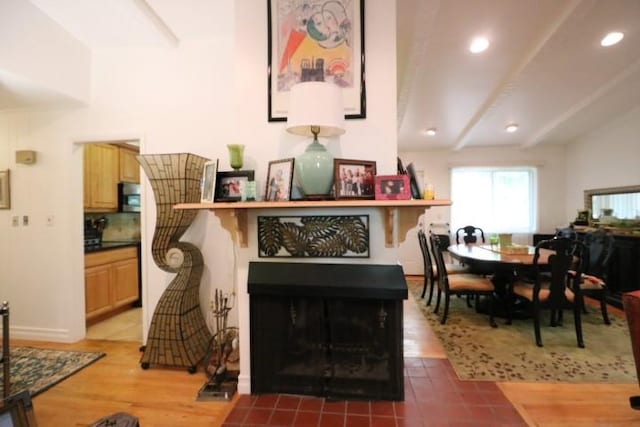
(315, 104)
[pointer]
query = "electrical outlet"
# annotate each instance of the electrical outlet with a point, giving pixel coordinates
(15, 220)
(25, 220)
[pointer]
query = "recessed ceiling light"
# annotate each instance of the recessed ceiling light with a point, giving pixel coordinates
(430, 131)
(611, 38)
(479, 44)
(512, 127)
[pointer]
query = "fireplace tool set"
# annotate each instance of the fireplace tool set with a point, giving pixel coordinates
(222, 381)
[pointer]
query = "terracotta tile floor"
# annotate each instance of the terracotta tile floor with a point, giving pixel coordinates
(434, 396)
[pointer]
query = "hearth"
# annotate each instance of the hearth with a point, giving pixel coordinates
(332, 330)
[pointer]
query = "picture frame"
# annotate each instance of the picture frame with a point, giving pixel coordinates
(229, 185)
(279, 180)
(5, 190)
(354, 179)
(392, 187)
(295, 44)
(208, 185)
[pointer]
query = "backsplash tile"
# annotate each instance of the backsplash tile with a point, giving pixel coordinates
(120, 226)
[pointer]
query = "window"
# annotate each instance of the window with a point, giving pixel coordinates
(496, 199)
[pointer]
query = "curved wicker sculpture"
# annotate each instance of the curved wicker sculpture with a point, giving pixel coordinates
(178, 335)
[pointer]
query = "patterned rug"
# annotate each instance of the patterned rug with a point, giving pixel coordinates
(509, 352)
(39, 369)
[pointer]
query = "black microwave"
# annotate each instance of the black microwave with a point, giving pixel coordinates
(128, 197)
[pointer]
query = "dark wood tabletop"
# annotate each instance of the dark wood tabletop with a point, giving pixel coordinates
(495, 255)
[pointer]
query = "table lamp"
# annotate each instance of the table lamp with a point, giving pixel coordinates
(315, 109)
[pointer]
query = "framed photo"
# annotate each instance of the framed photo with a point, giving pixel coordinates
(316, 40)
(279, 178)
(208, 185)
(229, 185)
(354, 179)
(392, 187)
(5, 190)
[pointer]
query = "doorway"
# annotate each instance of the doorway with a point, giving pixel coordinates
(112, 241)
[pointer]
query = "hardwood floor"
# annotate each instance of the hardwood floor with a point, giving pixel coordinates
(166, 397)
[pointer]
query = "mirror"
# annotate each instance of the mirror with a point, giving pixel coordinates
(616, 203)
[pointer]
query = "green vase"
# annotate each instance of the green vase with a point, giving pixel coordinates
(314, 169)
(236, 152)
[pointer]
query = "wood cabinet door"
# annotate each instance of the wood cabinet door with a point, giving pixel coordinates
(97, 290)
(101, 176)
(129, 167)
(125, 282)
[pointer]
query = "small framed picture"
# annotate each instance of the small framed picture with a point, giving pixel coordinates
(5, 195)
(392, 187)
(279, 178)
(229, 185)
(208, 181)
(354, 179)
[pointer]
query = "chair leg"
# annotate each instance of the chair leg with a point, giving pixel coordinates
(469, 297)
(446, 309)
(603, 309)
(578, 321)
(432, 285)
(492, 304)
(424, 286)
(536, 326)
(435, 310)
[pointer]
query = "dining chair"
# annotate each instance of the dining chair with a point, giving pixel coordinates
(553, 287)
(469, 234)
(430, 267)
(599, 249)
(459, 284)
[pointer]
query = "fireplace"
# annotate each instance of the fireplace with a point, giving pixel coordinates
(331, 330)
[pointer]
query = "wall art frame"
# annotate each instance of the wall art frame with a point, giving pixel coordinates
(354, 179)
(316, 236)
(229, 185)
(208, 187)
(392, 187)
(279, 180)
(299, 50)
(5, 190)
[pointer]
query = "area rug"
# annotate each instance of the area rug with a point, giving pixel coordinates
(509, 352)
(37, 369)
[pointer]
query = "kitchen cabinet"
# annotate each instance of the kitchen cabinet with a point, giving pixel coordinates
(128, 165)
(111, 281)
(101, 163)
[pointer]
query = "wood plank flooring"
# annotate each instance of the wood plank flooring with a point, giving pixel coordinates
(166, 397)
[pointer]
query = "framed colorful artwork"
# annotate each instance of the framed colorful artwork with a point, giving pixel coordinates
(316, 40)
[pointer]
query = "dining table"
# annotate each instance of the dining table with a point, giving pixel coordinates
(505, 265)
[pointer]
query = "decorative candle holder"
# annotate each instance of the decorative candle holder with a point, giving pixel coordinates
(236, 152)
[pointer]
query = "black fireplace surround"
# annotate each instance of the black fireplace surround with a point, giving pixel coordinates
(330, 330)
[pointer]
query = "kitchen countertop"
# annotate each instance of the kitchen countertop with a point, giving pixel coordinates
(104, 246)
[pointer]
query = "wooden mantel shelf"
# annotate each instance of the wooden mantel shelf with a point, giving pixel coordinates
(233, 215)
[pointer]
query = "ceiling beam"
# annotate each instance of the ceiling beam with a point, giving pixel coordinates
(509, 80)
(424, 17)
(157, 22)
(591, 99)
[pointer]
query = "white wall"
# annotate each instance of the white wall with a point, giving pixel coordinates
(38, 52)
(195, 98)
(607, 157)
(436, 167)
